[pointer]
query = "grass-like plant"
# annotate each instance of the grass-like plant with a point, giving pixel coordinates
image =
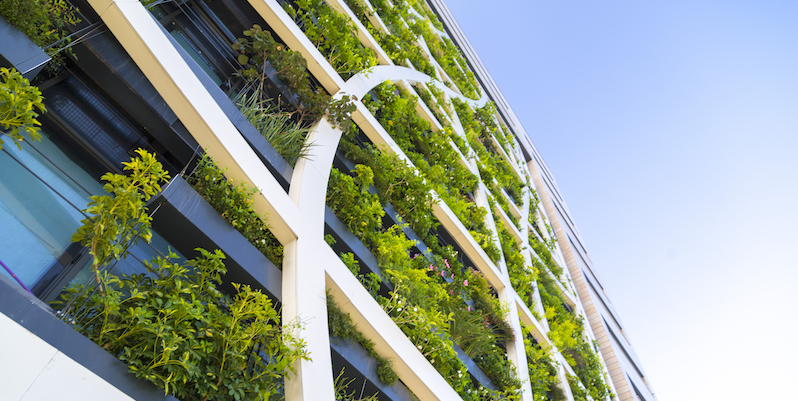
(286, 136)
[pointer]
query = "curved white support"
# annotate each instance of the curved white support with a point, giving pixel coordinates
(306, 259)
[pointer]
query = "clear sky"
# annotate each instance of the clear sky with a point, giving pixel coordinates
(671, 128)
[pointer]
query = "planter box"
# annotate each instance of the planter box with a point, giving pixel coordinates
(187, 221)
(38, 318)
(357, 362)
(18, 51)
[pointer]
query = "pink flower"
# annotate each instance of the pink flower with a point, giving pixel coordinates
(431, 267)
(415, 256)
(447, 262)
(451, 292)
(469, 308)
(443, 273)
(452, 275)
(465, 283)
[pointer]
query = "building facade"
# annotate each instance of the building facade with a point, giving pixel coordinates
(417, 245)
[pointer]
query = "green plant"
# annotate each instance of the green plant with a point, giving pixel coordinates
(173, 327)
(579, 392)
(350, 199)
(120, 218)
(567, 334)
(341, 326)
(19, 103)
(522, 277)
(287, 137)
(544, 253)
(480, 126)
(45, 22)
(400, 42)
(258, 49)
(234, 204)
(436, 291)
(432, 154)
(343, 392)
(425, 96)
(334, 34)
(449, 58)
(542, 370)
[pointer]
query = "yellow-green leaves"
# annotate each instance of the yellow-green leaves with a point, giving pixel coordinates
(20, 104)
(120, 218)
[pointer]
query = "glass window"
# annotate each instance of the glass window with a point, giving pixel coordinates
(41, 194)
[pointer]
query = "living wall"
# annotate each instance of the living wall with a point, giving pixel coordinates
(566, 333)
(435, 300)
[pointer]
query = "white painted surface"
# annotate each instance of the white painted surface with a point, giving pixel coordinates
(33, 370)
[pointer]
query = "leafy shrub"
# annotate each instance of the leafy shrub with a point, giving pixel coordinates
(173, 327)
(119, 218)
(19, 103)
(432, 153)
(567, 334)
(258, 49)
(542, 370)
(334, 34)
(429, 298)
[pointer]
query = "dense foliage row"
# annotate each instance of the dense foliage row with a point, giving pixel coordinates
(542, 370)
(342, 327)
(333, 34)
(432, 154)
(435, 300)
(234, 203)
(566, 332)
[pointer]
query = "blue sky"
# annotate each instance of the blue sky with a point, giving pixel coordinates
(672, 131)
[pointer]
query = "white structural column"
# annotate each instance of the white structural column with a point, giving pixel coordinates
(304, 289)
(307, 258)
(33, 370)
(572, 270)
